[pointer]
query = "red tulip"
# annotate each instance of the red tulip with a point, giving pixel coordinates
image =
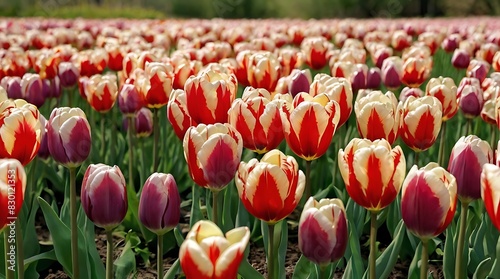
(466, 163)
(12, 190)
(446, 91)
(323, 233)
(310, 125)
(263, 70)
(416, 70)
(104, 195)
(490, 189)
(20, 130)
(420, 122)
(315, 51)
(495, 62)
(270, 189)
(207, 254)
(101, 92)
(377, 116)
(213, 153)
(372, 171)
(160, 203)
(428, 200)
(156, 84)
(177, 113)
(400, 40)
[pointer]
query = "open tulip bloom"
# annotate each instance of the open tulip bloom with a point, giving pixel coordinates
(207, 253)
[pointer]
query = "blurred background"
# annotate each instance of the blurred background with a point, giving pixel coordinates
(248, 8)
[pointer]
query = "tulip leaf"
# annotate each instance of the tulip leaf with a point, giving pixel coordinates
(196, 214)
(242, 217)
(495, 269)
(303, 269)
(483, 269)
(449, 252)
(125, 264)
(355, 266)
(227, 207)
(386, 261)
(246, 271)
(178, 236)
(49, 255)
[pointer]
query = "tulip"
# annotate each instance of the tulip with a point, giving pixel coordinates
(487, 51)
(101, 92)
(183, 69)
(263, 70)
(12, 190)
(68, 136)
(374, 78)
(471, 100)
(337, 89)
(209, 96)
(478, 69)
(416, 70)
(400, 40)
(300, 81)
(420, 122)
(104, 200)
(290, 59)
(115, 56)
(20, 130)
(406, 92)
(257, 118)
(207, 254)
(130, 101)
(428, 204)
(451, 42)
(68, 74)
(13, 87)
(159, 209)
(357, 76)
(32, 89)
(377, 116)
(392, 71)
(460, 59)
(445, 90)
(495, 62)
(315, 50)
(177, 113)
(156, 84)
(490, 187)
(143, 123)
(323, 230)
(488, 113)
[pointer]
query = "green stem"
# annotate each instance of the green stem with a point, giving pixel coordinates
(74, 226)
(70, 98)
(112, 145)
(271, 257)
(308, 180)
(20, 249)
(156, 131)
(130, 137)
(493, 137)
(109, 254)
(461, 241)
(10, 273)
(373, 242)
(425, 259)
(159, 257)
(103, 137)
(441, 144)
(468, 127)
(215, 207)
(415, 161)
(322, 272)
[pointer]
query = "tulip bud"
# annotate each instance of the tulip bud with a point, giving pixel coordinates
(212, 153)
(374, 78)
(207, 253)
(372, 171)
(156, 84)
(471, 100)
(406, 92)
(101, 92)
(488, 112)
(310, 125)
(428, 200)
(416, 70)
(12, 190)
(160, 203)
(446, 91)
(143, 123)
(32, 89)
(20, 130)
(104, 195)
(115, 55)
(392, 71)
(177, 113)
(337, 89)
(263, 70)
(420, 122)
(466, 163)
(486, 52)
(270, 189)
(478, 69)
(377, 116)
(323, 233)
(258, 120)
(299, 82)
(68, 74)
(289, 58)
(209, 96)
(460, 59)
(13, 87)
(68, 136)
(450, 43)
(490, 188)
(130, 100)
(315, 49)
(400, 40)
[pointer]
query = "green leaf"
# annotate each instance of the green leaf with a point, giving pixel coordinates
(303, 269)
(125, 264)
(178, 236)
(495, 269)
(386, 261)
(414, 271)
(449, 253)
(196, 214)
(49, 255)
(246, 271)
(483, 268)
(242, 217)
(355, 266)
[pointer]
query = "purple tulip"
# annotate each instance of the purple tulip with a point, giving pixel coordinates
(374, 78)
(130, 100)
(160, 203)
(68, 74)
(104, 195)
(13, 87)
(299, 82)
(460, 59)
(32, 89)
(471, 100)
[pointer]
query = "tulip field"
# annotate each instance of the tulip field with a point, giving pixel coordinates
(187, 148)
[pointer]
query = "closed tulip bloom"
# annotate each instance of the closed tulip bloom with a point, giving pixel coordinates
(374, 78)
(377, 116)
(490, 192)
(257, 118)
(471, 100)
(32, 89)
(406, 92)
(428, 200)
(270, 189)
(392, 71)
(323, 230)
(68, 136)
(290, 58)
(160, 203)
(209, 96)
(156, 84)
(177, 113)
(400, 40)
(20, 130)
(315, 51)
(478, 69)
(263, 70)
(143, 123)
(130, 100)
(337, 89)
(420, 122)
(299, 82)
(486, 52)
(488, 112)
(68, 74)
(310, 125)
(183, 69)
(12, 189)
(451, 42)
(466, 163)
(101, 92)
(13, 87)
(213, 153)
(460, 59)
(104, 195)
(115, 56)
(207, 253)
(445, 90)
(416, 70)
(372, 171)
